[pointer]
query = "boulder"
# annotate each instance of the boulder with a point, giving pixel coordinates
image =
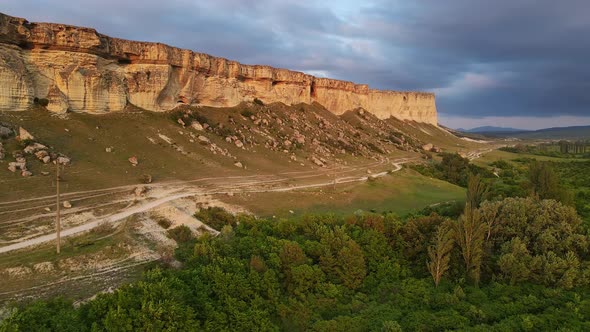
(109, 149)
(24, 135)
(67, 204)
(41, 154)
(427, 147)
(239, 144)
(34, 147)
(13, 166)
(181, 122)
(298, 137)
(5, 132)
(238, 164)
(316, 161)
(203, 140)
(26, 173)
(133, 160)
(63, 160)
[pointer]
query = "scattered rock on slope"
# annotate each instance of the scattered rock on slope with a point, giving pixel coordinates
(34, 147)
(5, 131)
(133, 160)
(427, 147)
(24, 135)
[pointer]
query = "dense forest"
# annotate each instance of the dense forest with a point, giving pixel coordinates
(515, 257)
(560, 149)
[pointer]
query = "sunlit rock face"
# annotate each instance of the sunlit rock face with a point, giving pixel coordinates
(78, 69)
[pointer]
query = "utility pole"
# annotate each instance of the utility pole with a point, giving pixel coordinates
(57, 216)
(334, 172)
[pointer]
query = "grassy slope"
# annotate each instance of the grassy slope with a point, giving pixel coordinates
(400, 192)
(85, 141)
(492, 156)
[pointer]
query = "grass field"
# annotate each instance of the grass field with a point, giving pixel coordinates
(401, 192)
(495, 155)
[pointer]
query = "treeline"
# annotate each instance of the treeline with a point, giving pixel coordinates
(518, 264)
(452, 168)
(524, 177)
(561, 149)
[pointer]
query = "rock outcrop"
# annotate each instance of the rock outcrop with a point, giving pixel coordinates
(81, 70)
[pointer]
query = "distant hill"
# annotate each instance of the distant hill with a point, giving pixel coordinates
(491, 129)
(576, 132)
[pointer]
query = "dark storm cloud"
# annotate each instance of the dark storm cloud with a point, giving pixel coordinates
(482, 58)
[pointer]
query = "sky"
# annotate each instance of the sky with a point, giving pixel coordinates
(516, 63)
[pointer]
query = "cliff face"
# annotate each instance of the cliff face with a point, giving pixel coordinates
(81, 70)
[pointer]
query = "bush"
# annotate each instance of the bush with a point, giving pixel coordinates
(216, 217)
(164, 223)
(181, 234)
(246, 113)
(146, 178)
(258, 102)
(224, 131)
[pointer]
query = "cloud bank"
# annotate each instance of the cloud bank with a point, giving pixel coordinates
(485, 60)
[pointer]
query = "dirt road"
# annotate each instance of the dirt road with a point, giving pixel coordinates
(166, 192)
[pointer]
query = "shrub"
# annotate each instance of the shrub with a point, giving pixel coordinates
(246, 113)
(181, 234)
(258, 102)
(146, 178)
(164, 223)
(216, 217)
(224, 131)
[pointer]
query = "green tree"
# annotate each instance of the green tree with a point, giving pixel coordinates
(476, 191)
(545, 183)
(440, 252)
(351, 265)
(537, 240)
(454, 168)
(469, 233)
(515, 262)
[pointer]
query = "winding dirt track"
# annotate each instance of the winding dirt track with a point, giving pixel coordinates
(168, 191)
